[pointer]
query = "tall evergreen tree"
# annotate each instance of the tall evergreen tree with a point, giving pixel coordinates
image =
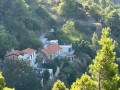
(103, 69)
(59, 86)
(85, 83)
(2, 83)
(95, 41)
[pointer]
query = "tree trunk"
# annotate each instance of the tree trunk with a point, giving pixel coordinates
(99, 81)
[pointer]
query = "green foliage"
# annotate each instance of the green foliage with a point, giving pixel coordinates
(13, 9)
(50, 66)
(85, 83)
(95, 11)
(86, 30)
(29, 39)
(60, 36)
(59, 86)
(104, 70)
(8, 88)
(20, 75)
(2, 83)
(83, 47)
(7, 41)
(44, 16)
(20, 17)
(46, 76)
(103, 3)
(108, 9)
(112, 20)
(68, 34)
(57, 61)
(42, 13)
(70, 8)
(72, 33)
(67, 7)
(95, 44)
(32, 24)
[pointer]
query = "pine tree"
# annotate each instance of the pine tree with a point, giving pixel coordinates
(95, 41)
(85, 83)
(2, 83)
(59, 86)
(103, 69)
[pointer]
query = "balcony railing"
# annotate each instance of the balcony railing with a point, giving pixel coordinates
(71, 52)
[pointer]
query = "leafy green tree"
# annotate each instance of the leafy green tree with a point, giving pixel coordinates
(32, 24)
(69, 29)
(103, 69)
(95, 11)
(57, 61)
(51, 65)
(7, 41)
(42, 13)
(83, 46)
(96, 1)
(95, 41)
(103, 3)
(14, 9)
(59, 86)
(2, 83)
(112, 20)
(85, 83)
(67, 7)
(46, 76)
(109, 9)
(20, 75)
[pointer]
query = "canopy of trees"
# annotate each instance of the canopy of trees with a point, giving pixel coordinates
(20, 75)
(104, 71)
(2, 83)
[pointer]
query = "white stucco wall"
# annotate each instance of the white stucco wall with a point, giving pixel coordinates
(57, 71)
(65, 48)
(31, 57)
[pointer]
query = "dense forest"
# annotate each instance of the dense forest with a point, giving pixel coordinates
(91, 26)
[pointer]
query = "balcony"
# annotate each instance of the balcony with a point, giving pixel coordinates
(71, 52)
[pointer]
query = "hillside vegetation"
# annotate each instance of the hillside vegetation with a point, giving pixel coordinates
(91, 26)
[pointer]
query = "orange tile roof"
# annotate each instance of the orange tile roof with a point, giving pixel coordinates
(53, 48)
(15, 52)
(29, 51)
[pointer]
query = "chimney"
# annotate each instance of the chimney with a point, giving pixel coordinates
(7, 52)
(12, 49)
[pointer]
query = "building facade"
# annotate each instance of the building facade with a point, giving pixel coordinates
(27, 54)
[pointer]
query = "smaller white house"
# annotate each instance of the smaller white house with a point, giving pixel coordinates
(67, 52)
(66, 49)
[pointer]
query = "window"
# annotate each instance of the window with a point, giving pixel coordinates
(33, 54)
(50, 56)
(70, 49)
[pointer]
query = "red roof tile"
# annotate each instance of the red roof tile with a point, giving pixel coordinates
(29, 51)
(70, 55)
(15, 52)
(53, 48)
